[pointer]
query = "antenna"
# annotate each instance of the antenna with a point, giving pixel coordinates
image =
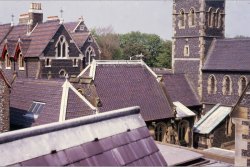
(12, 19)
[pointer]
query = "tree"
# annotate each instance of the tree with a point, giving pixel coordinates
(108, 42)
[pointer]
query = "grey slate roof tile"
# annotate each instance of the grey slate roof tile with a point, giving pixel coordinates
(122, 85)
(178, 89)
(228, 55)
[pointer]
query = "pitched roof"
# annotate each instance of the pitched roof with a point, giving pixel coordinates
(71, 25)
(4, 29)
(128, 83)
(211, 119)
(178, 89)
(80, 38)
(2, 76)
(115, 138)
(228, 55)
(41, 36)
(65, 104)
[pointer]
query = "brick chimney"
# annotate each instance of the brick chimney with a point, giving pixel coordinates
(34, 16)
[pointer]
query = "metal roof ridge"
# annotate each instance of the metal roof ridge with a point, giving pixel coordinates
(42, 129)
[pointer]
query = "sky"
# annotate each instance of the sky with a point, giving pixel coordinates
(147, 16)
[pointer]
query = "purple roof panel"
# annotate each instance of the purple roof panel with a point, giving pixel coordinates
(229, 55)
(178, 89)
(121, 86)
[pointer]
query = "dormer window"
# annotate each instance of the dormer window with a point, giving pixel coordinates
(7, 61)
(82, 27)
(21, 61)
(62, 47)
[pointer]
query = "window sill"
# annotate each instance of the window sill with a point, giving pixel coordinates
(48, 66)
(75, 66)
(8, 68)
(21, 68)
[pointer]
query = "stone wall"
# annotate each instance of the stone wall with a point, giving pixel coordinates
(4, 106)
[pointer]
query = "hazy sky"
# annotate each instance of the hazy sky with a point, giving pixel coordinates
(147, 16)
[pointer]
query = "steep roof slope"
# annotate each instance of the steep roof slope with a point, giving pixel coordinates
(229, 55)
(37, 102)
(116, 138)
(126, 83)
(179, 89)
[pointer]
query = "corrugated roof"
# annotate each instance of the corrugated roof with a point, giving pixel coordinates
(124, 85)
(183, 111)
(116, 138)
(212, 119)
(179, 89)
(228, 55)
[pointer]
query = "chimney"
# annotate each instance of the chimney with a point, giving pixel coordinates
(52, 18)
(24, 18)
(35, 15)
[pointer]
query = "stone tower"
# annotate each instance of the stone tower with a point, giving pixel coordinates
(195, 24)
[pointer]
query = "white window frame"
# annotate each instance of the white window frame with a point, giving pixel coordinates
(186, 48)
(19, 61)
(88, 53)
(7, 58)
(59, 42)
(48, 65)
(73, 61)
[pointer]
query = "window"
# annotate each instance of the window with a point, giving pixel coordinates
(160, 131)
(182, 19)
(212, 88)
(7, 61)
(242, 84)
(62, 73)
(75, 62)
(210, 17)
(34, 110)
(227, 86)
(191, 18)
(184, 131)
(216, 18)
(21, 61)
(82, 27)
(90, 53)
(47, 62)
(186, 50)
(62, 47)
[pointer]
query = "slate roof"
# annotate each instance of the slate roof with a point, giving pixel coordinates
(120, 85)
(26, 91)
(179, 89)
(116, 138)
(4, 29)
(71, 25)
(228, 55)
(41, 36)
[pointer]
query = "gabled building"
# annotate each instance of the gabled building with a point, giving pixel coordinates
(38, 102)
(45, 49)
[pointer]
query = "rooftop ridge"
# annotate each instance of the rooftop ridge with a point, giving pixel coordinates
(39, 130)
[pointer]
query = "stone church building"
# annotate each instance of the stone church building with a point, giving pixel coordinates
(217, 68)
(35, 48)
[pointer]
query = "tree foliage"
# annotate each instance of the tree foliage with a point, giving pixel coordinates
(157, 52)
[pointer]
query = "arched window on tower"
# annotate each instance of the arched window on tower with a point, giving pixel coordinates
(191, 18)
(182, 19)
(212, 88)
(216, 18)
(90, 54)
(242, 84)
(227, 86)
(210, 17)
(62, 47)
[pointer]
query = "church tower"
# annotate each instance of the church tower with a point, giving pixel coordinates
(195, 24)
